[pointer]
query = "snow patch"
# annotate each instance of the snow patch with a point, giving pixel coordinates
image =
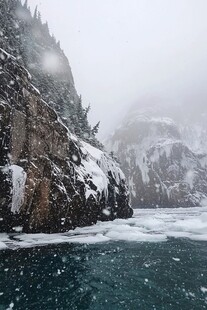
(147, 225)
(18, 186)
(203, 289)
(98, 165)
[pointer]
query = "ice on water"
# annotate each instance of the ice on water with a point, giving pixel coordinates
(147, 225)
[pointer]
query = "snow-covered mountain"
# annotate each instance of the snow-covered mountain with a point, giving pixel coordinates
(51, 181)
(163, 152)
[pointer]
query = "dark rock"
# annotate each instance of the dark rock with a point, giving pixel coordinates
(50, 180)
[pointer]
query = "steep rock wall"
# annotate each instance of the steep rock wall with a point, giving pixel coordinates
(26, 37)
(50, 180)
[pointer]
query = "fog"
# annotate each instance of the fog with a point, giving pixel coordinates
(121, 51)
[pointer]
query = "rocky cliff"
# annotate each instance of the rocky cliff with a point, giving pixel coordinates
(163, 157)
(50, 180)
(27, 38)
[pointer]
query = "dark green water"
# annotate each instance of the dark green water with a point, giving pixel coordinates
(115, 275)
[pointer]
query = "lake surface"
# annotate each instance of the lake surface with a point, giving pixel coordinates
(113, 274)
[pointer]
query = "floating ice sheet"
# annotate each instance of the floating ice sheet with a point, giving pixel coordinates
(147, 225)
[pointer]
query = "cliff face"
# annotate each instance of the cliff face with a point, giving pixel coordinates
(162, 167)
(28, 39)
(50, 180)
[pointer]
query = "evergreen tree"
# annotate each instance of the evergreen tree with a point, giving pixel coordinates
(39, 17)
(35, 13)
(87, 110)
(26, 4)
(95, 129)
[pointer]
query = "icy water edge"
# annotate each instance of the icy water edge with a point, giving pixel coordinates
(112, 274)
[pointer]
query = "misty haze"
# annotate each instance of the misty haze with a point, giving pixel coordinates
(103, 154)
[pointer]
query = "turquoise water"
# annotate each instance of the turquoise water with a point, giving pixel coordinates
(112, 275)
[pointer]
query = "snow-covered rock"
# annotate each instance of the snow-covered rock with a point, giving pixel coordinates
(50, 180)
(25, 36)
(164, 159)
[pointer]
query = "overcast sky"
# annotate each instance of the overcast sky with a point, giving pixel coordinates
(121, 50)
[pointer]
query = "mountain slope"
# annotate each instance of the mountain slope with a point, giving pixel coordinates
(163, 165)
(27, 38)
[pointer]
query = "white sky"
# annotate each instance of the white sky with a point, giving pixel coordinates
(120, 50)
